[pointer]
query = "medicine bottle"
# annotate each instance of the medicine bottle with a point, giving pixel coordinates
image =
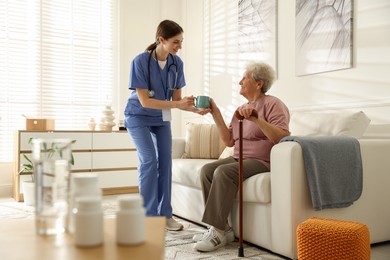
(88, 220)
(83, 185)
(130, 221)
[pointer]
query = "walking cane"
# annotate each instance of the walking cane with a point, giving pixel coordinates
(240, 199)
(240, 181)
(241, 248)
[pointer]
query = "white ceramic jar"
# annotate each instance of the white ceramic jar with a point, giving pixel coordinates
(88, 218)
(92, 124)
(130, 221)
(107, 120)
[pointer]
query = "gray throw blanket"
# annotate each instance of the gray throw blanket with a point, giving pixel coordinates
(334, 169)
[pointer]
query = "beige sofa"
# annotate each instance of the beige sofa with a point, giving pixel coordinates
(277, 201)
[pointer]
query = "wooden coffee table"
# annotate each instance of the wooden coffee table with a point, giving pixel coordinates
(19, 241)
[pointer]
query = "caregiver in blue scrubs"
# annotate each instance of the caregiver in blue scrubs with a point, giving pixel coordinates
(156, 80)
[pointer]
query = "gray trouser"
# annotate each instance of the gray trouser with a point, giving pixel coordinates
(219, 181)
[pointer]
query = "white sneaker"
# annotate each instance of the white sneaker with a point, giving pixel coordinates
(200, 236)
(173, 225)
(211, 241)
(229, 235)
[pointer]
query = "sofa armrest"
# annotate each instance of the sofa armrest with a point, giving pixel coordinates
(287, 172)
(178, 146)
(290, 197)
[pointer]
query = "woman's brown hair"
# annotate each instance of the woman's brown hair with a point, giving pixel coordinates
(166, 29)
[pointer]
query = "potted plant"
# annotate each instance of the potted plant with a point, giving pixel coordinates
(28, 168)
(28, 186)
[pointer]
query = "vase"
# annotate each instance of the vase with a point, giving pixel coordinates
(28, 193)
(107, 120)
(92, 124)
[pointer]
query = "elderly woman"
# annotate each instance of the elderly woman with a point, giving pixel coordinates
(266, 123)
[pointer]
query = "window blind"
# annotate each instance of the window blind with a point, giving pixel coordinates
(221, 70)
(236, 32)
(58, 59)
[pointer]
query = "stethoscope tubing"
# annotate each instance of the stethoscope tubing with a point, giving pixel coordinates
(150, 90)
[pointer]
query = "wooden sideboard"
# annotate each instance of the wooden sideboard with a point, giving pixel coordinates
(110, 154)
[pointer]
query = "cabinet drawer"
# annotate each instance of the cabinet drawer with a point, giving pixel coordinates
(83, 140)
(112, 179)
(119, 140)
(114, 159)
(82, 160)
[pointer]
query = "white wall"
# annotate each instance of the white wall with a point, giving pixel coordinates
(365, 87)
(5, 180)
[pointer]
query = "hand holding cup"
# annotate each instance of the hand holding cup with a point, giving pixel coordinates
(202, 102)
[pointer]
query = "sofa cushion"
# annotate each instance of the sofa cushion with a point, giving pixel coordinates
(329, 123)
(228, 151)
(202, 142)
(258, 188)
(186, 172)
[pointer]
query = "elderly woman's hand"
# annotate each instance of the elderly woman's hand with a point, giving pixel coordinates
(203, 111)
(246, 112)
(213, 107)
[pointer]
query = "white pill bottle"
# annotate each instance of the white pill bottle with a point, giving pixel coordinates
(88, 220)
(130, 220)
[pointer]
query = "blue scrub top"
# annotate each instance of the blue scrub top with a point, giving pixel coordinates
(135, 114)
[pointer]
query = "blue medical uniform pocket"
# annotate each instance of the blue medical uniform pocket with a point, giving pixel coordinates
(134, 108)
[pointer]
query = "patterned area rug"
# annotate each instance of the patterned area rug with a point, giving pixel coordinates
(10, 209)
(178, 244)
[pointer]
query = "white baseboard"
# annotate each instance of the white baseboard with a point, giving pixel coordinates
(5, 191)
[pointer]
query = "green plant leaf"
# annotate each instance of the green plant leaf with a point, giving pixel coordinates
(72, 159)
(54, 149)
(27, 158)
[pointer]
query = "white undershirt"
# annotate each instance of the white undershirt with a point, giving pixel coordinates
(162, 64)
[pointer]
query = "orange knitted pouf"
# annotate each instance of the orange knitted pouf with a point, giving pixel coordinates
(328, 239)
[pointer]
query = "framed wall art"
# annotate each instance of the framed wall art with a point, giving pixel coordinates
(323, 35)
(257, 31)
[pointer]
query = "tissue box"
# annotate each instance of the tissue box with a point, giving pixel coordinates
(39, 124)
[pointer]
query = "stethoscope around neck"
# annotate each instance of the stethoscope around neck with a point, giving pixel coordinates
(170, 86)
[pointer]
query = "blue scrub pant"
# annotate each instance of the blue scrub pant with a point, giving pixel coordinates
(154, 147)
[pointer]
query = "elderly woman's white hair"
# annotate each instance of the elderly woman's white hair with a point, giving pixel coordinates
(262, 71)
